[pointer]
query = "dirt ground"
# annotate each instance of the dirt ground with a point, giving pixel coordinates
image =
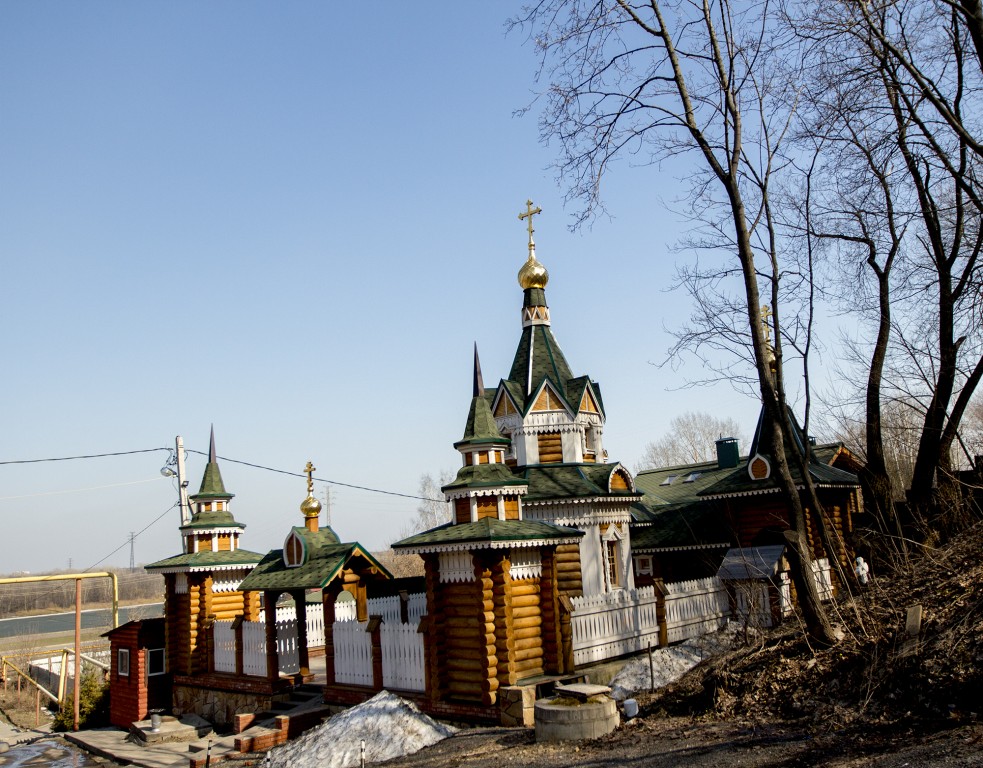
(684, 743)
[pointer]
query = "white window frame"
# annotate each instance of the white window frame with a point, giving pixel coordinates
(123, 662)
(151, 653)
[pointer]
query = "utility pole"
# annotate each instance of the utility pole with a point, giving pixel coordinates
(133, 564)
(327, 505)
(182, 482)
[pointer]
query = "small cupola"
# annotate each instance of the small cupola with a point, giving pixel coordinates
(310, 507)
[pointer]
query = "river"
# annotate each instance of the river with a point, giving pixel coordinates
(22, 626)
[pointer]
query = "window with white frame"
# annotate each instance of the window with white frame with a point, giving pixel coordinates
(611, 550)
(156, 664)
(123, 662)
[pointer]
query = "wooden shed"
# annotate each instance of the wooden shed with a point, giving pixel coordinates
(138, 678)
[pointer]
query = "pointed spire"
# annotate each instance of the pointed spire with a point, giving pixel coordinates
(479, 385)
(211, 482)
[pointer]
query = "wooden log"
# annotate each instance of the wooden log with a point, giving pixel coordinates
(523, 612)
(523, 633)
(525, 601)
(463, 665)
(525, 643)
(525, 587)
(468, 676)
(527, 622)
(529, 653)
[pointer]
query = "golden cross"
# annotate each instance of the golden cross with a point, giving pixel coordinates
(309, 470)
(530, 212)
(765, 314)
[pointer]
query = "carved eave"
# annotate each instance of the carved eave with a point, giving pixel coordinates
(201, 568)
(471, 546)
(498, 490)
(190, 530)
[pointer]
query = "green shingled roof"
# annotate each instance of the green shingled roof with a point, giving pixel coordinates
(213, 519)
(563, 481)
(671, 515)
(488, 530)
(680, 484)
(212, 486)
(537, 342)
(738, 481)
(485, 476)
(208, 559)
(700, 524)
(480, 428)
(325, 560)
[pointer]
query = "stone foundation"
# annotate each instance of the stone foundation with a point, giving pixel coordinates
(517, 705)
(218, 707)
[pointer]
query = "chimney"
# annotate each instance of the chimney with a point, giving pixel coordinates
(728, 453)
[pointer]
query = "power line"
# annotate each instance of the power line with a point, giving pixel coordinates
(88, 456)
(233, 461)
(319, 479)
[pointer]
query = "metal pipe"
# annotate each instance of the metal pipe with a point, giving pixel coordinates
(29, 679)
(78, 653)
(75, 576)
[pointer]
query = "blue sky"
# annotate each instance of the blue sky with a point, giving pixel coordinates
(292, 221)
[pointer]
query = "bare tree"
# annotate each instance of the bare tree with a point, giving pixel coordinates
(433, 509)
(655, 80)
(691, 439)
(895, 95)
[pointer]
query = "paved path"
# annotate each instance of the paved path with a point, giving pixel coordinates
(12, 735)
(113, 743)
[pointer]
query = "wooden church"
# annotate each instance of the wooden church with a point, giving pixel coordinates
(539, 517)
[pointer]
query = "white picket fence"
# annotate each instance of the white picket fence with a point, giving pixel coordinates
(352, 653)
(403, 659)
(254, 648)
(613, 624)
(625, 621)
(694, 608)
(287, 647)
(225, 646)
(387, 607)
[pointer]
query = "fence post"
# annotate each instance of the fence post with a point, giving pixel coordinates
(660, 612)
(566, 634)
(239, 646)
(374, 628)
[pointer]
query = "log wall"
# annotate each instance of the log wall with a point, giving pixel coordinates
(569, 579)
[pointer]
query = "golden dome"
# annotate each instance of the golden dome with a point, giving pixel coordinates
(310, 507)
(533, 274)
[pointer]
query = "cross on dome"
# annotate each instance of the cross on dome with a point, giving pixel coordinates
(530, 212)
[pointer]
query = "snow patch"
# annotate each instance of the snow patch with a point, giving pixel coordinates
(390, 727)
(669, 664)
